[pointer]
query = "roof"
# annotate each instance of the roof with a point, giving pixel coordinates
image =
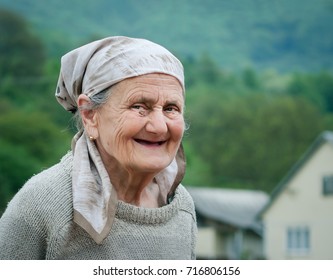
(231, 206)
(326, 136)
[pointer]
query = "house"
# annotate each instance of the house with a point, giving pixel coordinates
(298, 219)
(227, 228)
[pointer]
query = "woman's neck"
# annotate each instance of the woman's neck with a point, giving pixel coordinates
(135, 188)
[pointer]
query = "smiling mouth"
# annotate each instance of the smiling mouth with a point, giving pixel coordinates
(149, 143)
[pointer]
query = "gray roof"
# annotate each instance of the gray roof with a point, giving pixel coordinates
(325, 137)
(230, 206)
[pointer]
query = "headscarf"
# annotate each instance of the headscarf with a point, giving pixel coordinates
(103, 63)
(89, 70)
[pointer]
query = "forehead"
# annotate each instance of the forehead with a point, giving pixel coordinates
(153, 85)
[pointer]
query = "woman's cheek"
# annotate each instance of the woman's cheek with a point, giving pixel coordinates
(179, 128)
(124, 131)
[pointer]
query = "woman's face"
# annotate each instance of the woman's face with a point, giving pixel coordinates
(142, 124)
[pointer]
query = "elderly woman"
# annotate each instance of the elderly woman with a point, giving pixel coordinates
(117, 193)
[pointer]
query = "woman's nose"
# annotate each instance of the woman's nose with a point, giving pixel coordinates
(156, 122)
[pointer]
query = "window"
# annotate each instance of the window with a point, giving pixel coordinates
(298, 240)
(328, 185)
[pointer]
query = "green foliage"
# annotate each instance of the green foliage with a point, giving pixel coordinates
(285, 35)
(21, 53)
(29, 143)
(197, 171)
(31, 138)
(34, 131)
(247, 130)
(317, 88)
(251, 141)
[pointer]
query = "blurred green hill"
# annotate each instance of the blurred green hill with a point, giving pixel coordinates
(286, 35)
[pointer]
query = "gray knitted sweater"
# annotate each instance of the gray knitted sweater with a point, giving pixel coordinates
(38, 224)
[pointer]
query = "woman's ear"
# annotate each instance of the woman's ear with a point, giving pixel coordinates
(89, 117)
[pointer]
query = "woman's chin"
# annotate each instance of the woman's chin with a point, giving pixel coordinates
(151, 165)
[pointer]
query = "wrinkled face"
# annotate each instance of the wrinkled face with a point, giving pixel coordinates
(142, 124)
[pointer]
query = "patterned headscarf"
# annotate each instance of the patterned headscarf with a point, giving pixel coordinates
(101, 64)
(89, 70)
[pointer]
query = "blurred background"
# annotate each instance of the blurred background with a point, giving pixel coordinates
(259, 98)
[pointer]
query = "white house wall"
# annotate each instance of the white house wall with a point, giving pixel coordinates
(206, 243)
(302, 203)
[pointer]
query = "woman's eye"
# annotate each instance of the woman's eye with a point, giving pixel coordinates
(137, 107)
(171, 109)
(140, 108)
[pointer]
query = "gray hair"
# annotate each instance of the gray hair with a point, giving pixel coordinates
(96, 102)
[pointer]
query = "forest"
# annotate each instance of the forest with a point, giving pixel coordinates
(246, 128)
(286, 35)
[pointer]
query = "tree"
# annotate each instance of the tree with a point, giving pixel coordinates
(21, 53)
(28, 144)
(22, 60)
(251, 141)
(317, 88)
(29, 140)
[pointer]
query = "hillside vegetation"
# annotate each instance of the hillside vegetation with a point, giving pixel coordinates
(287, 35)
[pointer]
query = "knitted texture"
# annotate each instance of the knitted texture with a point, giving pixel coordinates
(38, 224)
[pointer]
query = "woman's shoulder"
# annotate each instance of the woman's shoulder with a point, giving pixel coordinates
(187, 203)
(47, 189)
(52, 178)
(40, 209)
